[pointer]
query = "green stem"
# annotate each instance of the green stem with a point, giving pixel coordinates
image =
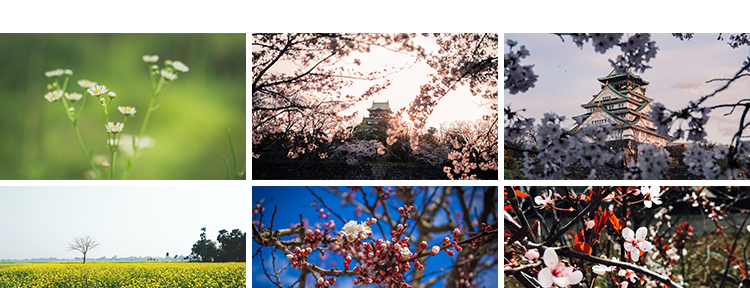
(85, 152)
(140, 137)
(112, 165)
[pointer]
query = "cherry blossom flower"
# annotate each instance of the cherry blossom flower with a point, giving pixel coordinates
(636, 242)
(651, 194)
(590, 224)
(353, 231)
(532, 254)
(435, 250)
(547, 200)
(557, 273)
(600, 269)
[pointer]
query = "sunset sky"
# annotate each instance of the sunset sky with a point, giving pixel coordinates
(567, 76)
(405, 85)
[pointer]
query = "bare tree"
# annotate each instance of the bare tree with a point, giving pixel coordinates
(83, 245)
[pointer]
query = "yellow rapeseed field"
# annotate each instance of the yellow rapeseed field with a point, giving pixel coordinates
(123, 274)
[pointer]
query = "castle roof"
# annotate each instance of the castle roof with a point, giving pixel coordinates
(379, 105)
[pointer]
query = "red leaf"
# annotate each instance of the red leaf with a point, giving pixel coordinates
(580, 243)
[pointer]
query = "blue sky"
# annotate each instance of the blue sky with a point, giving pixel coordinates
(293, 200)
(567, 76)
(39, 222)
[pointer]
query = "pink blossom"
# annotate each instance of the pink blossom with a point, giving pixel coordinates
(636, 242)
(557, 273)
(651, 194)
(532, 254)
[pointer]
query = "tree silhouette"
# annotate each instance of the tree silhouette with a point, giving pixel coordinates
(83, 245)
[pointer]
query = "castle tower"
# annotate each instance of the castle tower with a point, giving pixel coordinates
(622, 103)
(378, 111)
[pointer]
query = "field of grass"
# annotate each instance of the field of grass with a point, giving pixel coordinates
(123, 274)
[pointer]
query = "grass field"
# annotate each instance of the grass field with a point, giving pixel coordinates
(122, 274)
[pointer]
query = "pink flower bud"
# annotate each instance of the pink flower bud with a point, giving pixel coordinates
(446, 241)
(590, 224)
(449, 252)
(456, 233)
(423, 245)
(532, 254)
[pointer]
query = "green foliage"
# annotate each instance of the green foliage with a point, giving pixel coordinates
(232, 247)
(188, 128)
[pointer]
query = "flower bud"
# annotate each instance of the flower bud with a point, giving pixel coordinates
(423, 245)
(435, 250)
(112, 94)
(446, 241)
(449, 252)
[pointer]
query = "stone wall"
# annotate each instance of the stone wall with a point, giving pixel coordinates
(299, 170)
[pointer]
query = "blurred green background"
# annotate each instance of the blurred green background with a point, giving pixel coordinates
(189, 128)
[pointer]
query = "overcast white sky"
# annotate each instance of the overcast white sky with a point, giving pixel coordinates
(567, 76)
(39, 222)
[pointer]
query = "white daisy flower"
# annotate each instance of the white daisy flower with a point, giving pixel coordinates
(169, 75)
(179, 66)
(68, 72)
(127, 111)
(53, 96)
(54, 73)
(114, 128)
(150, 58)
(86, 83)
(96, 90)
(73, 96)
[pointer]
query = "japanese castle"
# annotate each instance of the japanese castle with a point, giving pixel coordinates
(622, 103)
(378, 111)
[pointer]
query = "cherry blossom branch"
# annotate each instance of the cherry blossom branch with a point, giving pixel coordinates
(731, 252)
(592, 205)
(324, 205)
(566, 251)
(276, 59)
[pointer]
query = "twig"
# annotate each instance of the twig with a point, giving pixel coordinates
(324, 204)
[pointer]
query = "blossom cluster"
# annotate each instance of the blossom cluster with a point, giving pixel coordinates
(555, 150)
(518, 78)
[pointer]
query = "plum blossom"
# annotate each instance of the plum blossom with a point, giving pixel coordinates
(353, 231)
(600, 269)
(532, 254)
(557, 273)
(651, 194)
(544, 202)
(636, 242)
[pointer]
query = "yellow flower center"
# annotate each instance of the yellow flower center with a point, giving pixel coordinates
(96, 91)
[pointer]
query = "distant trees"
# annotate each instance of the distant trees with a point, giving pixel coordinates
(232, 247)
(83, 245)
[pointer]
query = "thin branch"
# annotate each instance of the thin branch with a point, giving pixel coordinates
(324, 205)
